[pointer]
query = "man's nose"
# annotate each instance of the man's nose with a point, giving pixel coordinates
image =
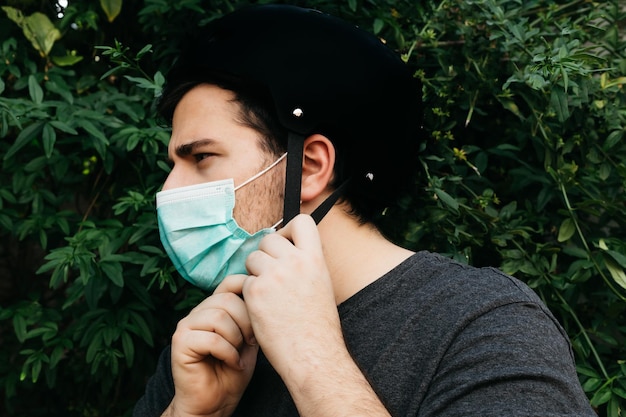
(173, 180)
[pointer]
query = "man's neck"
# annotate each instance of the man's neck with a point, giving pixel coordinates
(356, 255)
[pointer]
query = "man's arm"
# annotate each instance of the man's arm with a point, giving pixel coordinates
(293, 312)
(333, 387)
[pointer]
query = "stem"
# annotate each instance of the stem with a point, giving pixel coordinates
(569, 309)
(584, 241)
(584, 333)
(471, 109)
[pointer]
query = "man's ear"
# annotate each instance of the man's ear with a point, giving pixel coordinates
(318, 162)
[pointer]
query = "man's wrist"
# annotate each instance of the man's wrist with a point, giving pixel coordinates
(171, 411)
(334, 386)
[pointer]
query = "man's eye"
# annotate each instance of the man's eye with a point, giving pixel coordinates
(201, 156)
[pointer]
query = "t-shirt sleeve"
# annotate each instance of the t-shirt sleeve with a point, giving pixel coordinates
(159, 389)
(513, 360)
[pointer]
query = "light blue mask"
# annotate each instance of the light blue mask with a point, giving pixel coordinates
(200, 235)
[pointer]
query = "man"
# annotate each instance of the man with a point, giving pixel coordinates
(278, 111)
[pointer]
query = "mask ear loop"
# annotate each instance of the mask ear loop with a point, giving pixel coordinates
(254, 177)
(276, 224)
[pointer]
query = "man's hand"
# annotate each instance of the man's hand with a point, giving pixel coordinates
(290, 298)
(213, 354)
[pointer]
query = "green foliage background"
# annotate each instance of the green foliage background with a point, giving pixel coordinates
(524, 169)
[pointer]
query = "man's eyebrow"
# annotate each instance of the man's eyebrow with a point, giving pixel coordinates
(187, 149)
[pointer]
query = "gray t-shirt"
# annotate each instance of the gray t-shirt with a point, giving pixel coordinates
(436, 338)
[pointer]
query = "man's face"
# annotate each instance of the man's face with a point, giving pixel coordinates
(209, 144)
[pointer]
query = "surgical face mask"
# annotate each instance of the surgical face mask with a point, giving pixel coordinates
(200, 235)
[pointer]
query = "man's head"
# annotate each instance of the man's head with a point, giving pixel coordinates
(296, 73)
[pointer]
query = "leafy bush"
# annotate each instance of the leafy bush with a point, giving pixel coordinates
(523, 169)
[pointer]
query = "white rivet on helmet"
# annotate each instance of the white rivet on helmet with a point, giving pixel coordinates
(297, 112)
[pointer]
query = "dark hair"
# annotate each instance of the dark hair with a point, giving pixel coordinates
(256, 109)
(257, 112)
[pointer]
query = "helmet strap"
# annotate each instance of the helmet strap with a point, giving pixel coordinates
(293, 183)
(293, 179)
(321, 210)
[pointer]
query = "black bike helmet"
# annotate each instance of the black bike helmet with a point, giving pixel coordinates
(322, 74)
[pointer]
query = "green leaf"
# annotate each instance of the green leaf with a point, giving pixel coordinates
(40, 331)
(37, 28)
(36, 370)
(66, 60)
(94, 290)
(63, 225)
(618, 257)
(613, 139)
(605, 171)
(34, 90)
(48, 137)
(558, 100)
(43, 238)
(129, 348)
(19, 326)
(614, 407)
(143, 51)
(511, 106)
(619, 392)
(616, 271)
(63, 127)
(164, 166)
(112, 8)
(110, 334)
(601, 397)
(140, 327)
(565, 78)
(36, 164)
(378, 25)
(93, 130)
(25, 136)
(143, 82)
(150, 266)
(132, 142)
(159, 79)
(447, 199)
(56, 356)
(63, 92)
(94, 346)
(114, 272)
(587, 371)
(6, 222)
(592, 384)
(567, 230)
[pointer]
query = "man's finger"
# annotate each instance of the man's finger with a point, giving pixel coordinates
(302, 231)
(232, 283)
